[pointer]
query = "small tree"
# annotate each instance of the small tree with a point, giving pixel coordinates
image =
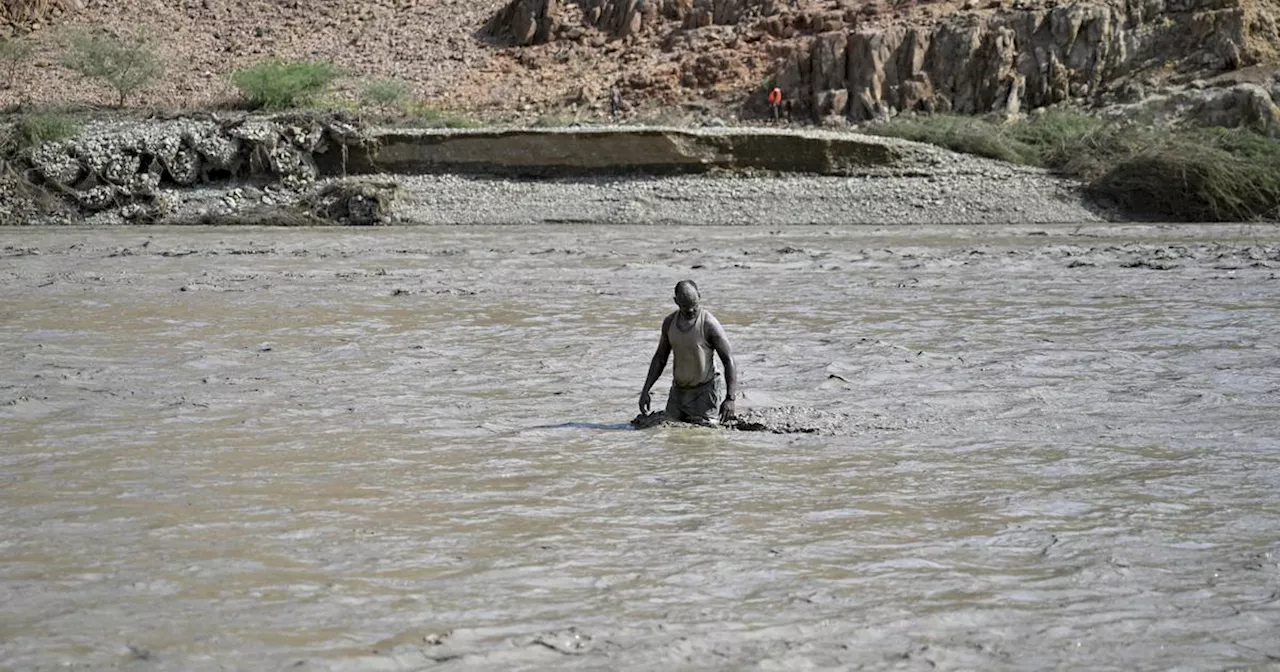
(386, 93)
(13, 53)
(279, 85)
(126, 65)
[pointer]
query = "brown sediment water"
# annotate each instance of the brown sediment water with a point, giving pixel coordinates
(402, 448)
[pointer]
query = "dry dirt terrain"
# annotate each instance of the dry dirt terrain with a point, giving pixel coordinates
(714, 58)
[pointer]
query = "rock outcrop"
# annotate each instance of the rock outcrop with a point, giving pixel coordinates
(524, 22)
(527, 22)
(1016, 60)
(1235, 105)
(871, 60)
(1244, 105)
(620, 18)
(21, 16)
(123, 168)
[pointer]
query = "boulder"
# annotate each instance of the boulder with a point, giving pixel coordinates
(1242, 106)
(352, 203)
(832, 102)
(524, 22)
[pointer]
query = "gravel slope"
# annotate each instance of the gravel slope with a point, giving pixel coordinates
(997, 195)
(1012, 198)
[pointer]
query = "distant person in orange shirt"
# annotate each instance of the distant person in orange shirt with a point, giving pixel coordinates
(775, 103)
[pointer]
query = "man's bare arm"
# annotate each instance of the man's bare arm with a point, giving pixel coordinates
(720, 343)
(656, 366)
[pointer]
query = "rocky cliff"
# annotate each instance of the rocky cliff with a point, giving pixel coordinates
(862, 61)
(834, 59)
(1011, 60)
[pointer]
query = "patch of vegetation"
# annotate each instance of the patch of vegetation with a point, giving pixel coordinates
(37, 129)
(1194, 174)
(13, 53)
(553, 120)
(32, 130)
(1030, 142)
(282, 85)
(126, 65)
(1186, 174)
(386, 94)
(431, 117)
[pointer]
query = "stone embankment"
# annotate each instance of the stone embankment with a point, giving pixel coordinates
(132, 170)
(574, 152)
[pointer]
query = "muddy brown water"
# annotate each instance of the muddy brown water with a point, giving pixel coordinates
(408, 449)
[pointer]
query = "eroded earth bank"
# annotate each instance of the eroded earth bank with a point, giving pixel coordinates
(330, 170)
(1035, 446)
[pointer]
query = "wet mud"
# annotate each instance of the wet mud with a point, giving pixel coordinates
(782, 420)
(995, 448)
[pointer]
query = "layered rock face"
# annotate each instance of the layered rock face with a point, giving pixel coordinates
(1015, 60)
(528, 22)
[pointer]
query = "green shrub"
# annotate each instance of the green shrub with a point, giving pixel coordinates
(1195, 174)
(386, 93)
(431, 117)
(553, 120)
(13, 53)
(36, 129)
(968, 135)
(1053, 137)
(125, 65)
(280, 85)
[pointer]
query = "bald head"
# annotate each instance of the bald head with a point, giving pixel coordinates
(687, 297)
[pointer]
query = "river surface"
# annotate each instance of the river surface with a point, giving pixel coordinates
(407, 449)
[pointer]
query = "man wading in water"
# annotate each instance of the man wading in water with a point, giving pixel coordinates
(697, 390)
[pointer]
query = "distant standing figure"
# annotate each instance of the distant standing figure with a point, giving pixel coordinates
(775, 103)
(698, 394)
(615, 102)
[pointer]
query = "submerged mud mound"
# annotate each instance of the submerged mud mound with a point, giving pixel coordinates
(123, 168)
(775, 420)
(341, 203)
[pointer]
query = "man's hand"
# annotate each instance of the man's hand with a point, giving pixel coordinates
(726, 411)
(644, 402)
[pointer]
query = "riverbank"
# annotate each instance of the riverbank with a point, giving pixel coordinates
(1181, 173)
(310, 169)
